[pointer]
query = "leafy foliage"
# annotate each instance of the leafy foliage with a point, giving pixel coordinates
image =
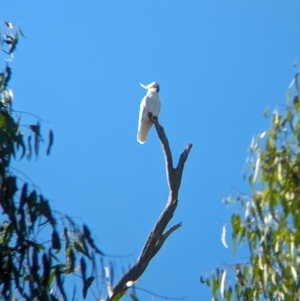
(32, 268)
(270, 218)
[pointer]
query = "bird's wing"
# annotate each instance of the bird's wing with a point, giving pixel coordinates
(159, 106)
(143, 130)
(153, 105)
(143, 116)
(144, 121)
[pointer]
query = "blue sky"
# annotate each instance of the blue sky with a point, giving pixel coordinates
(219, 65)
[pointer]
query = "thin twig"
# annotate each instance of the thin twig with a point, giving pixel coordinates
(26, 177)
(27, 113)
(159, 296)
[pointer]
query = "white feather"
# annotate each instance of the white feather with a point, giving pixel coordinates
(150, 104)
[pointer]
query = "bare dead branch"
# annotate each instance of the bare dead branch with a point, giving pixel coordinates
(166, 149)
(157, 236)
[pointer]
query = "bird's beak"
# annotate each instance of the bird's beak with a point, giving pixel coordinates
(145, 86)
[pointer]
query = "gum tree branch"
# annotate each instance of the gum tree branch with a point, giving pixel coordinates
(158, 235)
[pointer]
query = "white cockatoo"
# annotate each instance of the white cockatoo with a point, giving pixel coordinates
(150, 105)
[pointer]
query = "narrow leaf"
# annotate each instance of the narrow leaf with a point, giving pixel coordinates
(8, 24)
(51, 277)
(257, 165)
(59, 283)
(71, 259)
(222, 282)
(55, 241)
(294, 273)
(223, 237)
(107, 273)
(87, 235)
(79, 248)
(46, 268)
(21, 32)
(46, 211)
(86, 285)
(37, 139)
(14, 43)
(50, 142)
(29, 148)
(20, 142)
(83, 268)
(109, 290)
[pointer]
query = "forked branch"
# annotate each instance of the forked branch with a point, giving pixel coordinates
(158, 235)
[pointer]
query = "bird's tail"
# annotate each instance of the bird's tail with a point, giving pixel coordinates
(143, 132)
(142, 136)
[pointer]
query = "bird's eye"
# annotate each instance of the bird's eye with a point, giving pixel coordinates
(157, 88)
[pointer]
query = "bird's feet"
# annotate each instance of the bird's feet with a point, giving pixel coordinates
(153, 118)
